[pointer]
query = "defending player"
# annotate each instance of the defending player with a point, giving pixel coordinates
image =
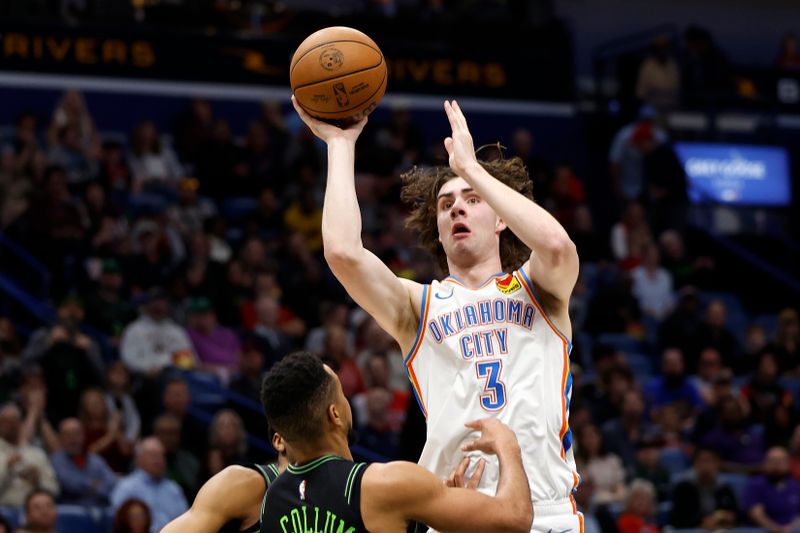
(324, 491)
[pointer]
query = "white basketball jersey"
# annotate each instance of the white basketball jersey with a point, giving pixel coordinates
(492, 351)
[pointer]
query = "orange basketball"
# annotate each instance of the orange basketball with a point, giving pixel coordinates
(338, 74)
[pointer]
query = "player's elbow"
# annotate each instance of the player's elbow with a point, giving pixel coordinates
(561, 250)
(339, 255)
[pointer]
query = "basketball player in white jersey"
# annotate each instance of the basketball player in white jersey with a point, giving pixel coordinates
(492, 337)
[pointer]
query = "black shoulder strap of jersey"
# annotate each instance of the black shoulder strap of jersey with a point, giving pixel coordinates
(269, 472)
(352, 490)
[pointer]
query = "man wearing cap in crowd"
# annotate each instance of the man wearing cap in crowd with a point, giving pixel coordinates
(70, 360)
(106, 309)
(154, 341)
(217, 346)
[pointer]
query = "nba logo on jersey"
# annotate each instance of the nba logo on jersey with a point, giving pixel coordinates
(508, 285)
(303, 490)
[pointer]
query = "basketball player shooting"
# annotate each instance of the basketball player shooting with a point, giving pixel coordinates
(493, 336)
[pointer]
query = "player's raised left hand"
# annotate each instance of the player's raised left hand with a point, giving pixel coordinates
(329, 132)
(459, 146)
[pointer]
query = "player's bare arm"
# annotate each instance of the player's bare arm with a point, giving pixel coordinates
(392, 301)
(233, 494)
(400, 492)
(553, 265)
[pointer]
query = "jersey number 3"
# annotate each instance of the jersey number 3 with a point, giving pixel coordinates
(494, 391)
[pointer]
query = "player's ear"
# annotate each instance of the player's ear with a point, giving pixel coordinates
(500, 225)
(335, 416)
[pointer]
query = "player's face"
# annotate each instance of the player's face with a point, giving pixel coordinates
(468, 228)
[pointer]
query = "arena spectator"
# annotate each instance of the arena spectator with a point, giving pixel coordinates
(709, 367)
(153, 341)
(79, 161)
(23, 467)
(273, 342)
(193, 129)
(787, 340)
(621, 434)
(133, 516)
(789, 52)
(739, 446)
(376, 342)
(627, 154)
(640, 509)
(55, 223)
(264, 163)
(106, 307)
(330, 314)
(377, 376)
(119, 400)
(772, 499)
(71, 111)
(713, 331)
(375, 429)
(755, 340)
(164, 497)
(176, 400)
(706, 75)
(673, 386)
(648, 465)
(84, 477)
(69, 359)
(227, 442)
(603, 468)
(217, 347)
(191, 211)
(794, 451)
(114, 173)
(566, 195)
(221, 167)
(539, 169)
(342, 361)
(703, 500)
(182, 467)
(659, 81)
(247, 383)
(155, 166)
(630, 236)
(652, 285)
(41, 513)
(304, 216)
(679, 328)
(103, 431)
(764, 392)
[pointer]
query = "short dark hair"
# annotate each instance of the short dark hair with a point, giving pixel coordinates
(35, 492)
(295, 394)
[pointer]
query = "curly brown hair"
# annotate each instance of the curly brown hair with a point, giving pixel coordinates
(421, 186)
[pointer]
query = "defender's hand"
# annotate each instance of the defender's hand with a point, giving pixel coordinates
(458, 477)
(495, 438)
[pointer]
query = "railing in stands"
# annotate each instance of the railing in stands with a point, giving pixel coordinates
(28, 260)
(784, 278)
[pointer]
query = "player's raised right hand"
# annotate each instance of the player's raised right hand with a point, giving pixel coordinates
(329, 132)
(495, 438)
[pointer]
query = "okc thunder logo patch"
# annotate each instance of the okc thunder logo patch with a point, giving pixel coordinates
(508, 284)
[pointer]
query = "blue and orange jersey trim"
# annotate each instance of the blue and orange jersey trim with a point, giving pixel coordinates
(423, 319)
(564, 434)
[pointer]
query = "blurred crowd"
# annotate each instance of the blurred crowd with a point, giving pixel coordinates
(194, 255)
